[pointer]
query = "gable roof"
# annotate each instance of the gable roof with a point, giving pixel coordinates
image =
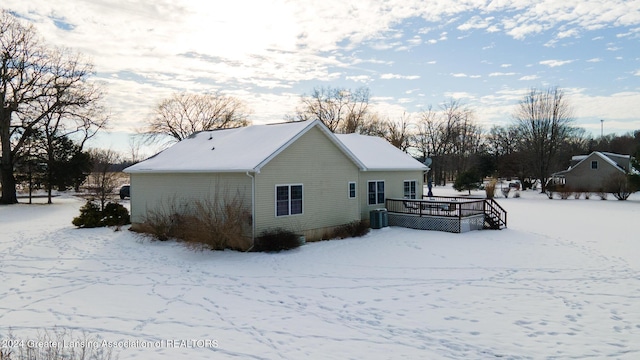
(232, 150)
(607, 157)
(252, 147)
(377, 154)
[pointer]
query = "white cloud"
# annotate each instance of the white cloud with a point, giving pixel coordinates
(415, 41)
(475, 22)
(252, 47)
(555, 63)
(359, 78)
(568, 33)
(459, 95)
(397, 76)
(594, 60)
(502, 74)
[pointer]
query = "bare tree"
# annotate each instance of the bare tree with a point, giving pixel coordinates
(450, 136)
(426, 137)
(399, 133)
(36, 82)
(503, 145)
(184, 114)
(135, 149)
(544, 120)
(341, 110)
(103, 181)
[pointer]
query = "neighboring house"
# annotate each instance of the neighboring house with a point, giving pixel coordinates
(298, 176)
(591, 172)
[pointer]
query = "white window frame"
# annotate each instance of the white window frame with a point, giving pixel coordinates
(289, 199)
(377, 194)
(415, 189)
(355, 190)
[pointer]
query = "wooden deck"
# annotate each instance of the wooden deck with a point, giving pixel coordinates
(450, 214)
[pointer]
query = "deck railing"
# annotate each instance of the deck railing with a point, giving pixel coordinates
(454, 207)
(448, 207)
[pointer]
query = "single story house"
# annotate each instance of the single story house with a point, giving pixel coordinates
(298, 176)
(591, 172)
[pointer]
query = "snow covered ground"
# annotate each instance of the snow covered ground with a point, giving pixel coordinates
(563, 281)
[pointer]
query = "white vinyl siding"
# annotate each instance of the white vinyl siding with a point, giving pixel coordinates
(322, 169)
(167, 193)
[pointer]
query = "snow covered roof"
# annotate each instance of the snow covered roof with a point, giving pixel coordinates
(378, 154)
(607, 157)
(228, 150)
(250, 148)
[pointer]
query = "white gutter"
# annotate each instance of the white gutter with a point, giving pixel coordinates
(253, 208)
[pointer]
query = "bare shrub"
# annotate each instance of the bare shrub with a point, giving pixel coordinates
(490, 188)
(505, 191)
(602, 195)
(218, 223)
(84, 348)
(162, 222)
(565, 192)
(619, 186)
(277, 240)
(587, 195)
(356, 228)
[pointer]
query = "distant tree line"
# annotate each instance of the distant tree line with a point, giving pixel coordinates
(540, 137)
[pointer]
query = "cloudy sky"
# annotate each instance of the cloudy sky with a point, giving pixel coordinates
(411, 54)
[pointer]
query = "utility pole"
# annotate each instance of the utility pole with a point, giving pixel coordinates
(601, 128)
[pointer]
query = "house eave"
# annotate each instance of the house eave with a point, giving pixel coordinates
(187, 171)
(396, 169)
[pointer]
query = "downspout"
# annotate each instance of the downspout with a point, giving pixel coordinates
(253, 209)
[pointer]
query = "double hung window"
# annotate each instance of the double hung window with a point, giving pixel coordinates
(376, 192)
(288, 200)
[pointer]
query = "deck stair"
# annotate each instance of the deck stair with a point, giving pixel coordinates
(495, 216)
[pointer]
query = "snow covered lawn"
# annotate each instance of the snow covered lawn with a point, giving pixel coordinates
(563, 281)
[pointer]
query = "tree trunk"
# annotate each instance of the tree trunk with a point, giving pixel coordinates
(6, 170)
(6, 162)
(8, 185)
